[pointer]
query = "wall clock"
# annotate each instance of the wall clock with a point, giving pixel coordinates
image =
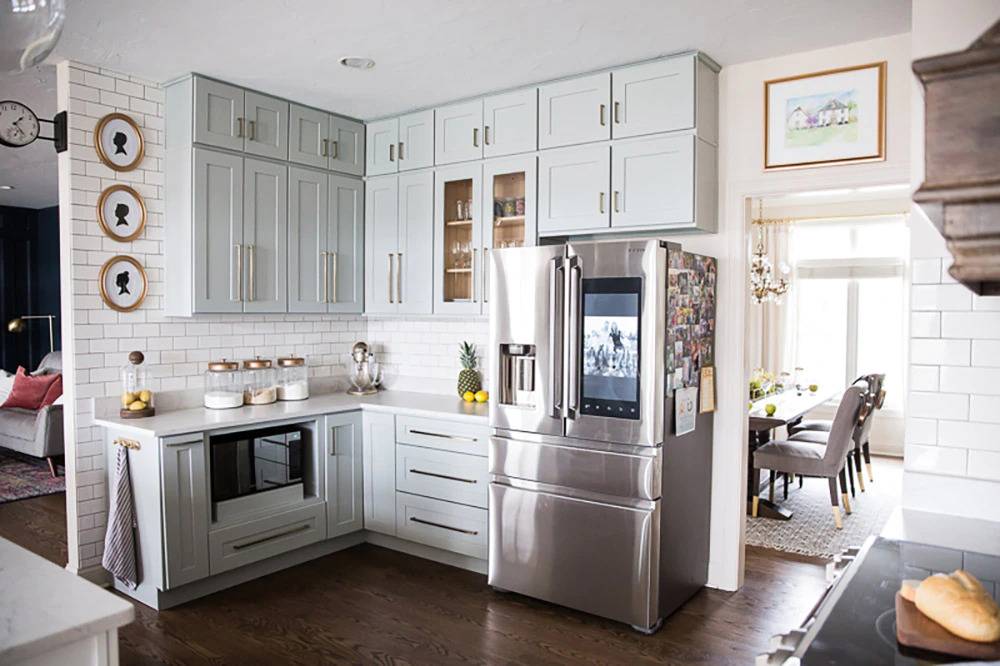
(20, 126)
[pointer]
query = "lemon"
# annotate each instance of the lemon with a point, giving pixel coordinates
(770, 409)
(137, 406)
(128, 398)
(813, 388)
(468, 396)
(482, 396)
(145, 396)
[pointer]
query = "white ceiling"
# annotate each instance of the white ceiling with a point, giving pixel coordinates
(433, 51)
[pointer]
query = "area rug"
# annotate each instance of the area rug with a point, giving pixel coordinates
(811, 530)
(23, 476)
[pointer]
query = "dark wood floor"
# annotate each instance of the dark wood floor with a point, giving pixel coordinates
(371, 605)
(38, 524)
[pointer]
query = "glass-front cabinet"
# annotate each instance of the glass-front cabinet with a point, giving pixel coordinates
(458, 258)
(509, 208)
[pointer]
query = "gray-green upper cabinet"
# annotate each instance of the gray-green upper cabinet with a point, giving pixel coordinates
(415, 146)
(345, 243)
(265, 233)
(573, 190)
(510, 123)
(574, 111)
(665, 96)
(381, 242)
(213, 242)
(218, 114)
(265, 126)
(381, 141)
(458, 130)
(322, 140)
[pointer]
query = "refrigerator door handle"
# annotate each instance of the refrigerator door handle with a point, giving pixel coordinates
(557, 279)
(573, 307)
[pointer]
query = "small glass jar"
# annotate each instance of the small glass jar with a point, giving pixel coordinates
(223, 385)
(259, 382)
(137, 393)
(293, 378)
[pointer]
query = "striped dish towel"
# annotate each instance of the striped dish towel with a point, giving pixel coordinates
(119, 540)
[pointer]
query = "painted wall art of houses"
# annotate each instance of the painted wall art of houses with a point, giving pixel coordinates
(833, 112)
(799, 119)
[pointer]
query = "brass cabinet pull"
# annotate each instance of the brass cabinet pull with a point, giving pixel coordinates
(615, 197)
(600, 203)
(294, 530)
(617, 119)
(392, 152)
(475, 137)
(442, 436)
(333, 290)
(335, 153)
(251, 290)
(447, 477)
(399, 151)
(133, 444)
(474, 275)
(322, 257)
(603, 107)
(239, 127)
(486, 274)
(239, 272)
(388, 282)
(444, 527)
(399, 277)
(486, 135)
(322, 148)
(253, 130)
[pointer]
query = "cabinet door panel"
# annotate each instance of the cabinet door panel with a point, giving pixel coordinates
(381, 138)
(265, 234)
(653, 182)
(218, 231)
(573, 189)
(574, 111)
(346, 244)
(414, 290)
(308, 136)
(266, 126)
(458, 132)
(510, 123)
(344, 474)
(653, 97)
(308, 205)
(416, 140)
(347, 146)
(185, 510)
(381, 243)
(218, 112)
(380, 472)
(458, 260)
(507, 179)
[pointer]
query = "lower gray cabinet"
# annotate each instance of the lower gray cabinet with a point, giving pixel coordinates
(325, 242)
(344, 474)
(185, 510)
(380, 472)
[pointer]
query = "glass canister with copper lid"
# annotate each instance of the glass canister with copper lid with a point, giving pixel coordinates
(259, 381)
(293, 378)
(223, 385)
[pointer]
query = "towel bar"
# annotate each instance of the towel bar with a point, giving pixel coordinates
(128, 443)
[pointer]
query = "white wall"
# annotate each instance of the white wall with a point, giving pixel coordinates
(952, 458)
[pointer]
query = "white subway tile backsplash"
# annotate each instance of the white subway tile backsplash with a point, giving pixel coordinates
(988, 303)
(986, 353)
(980, 325)
(984, 464)
(938, 405)
(923, 378)
(969, 435)
(919, 458)
(926, 271)
(939, 352)
(985, 408)
(946, 297)
(984, 381)
(921, 431)
(925, 324)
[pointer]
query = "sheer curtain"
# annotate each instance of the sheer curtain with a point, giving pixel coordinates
(771, 334)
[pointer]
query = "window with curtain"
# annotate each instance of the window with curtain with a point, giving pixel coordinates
(849, 292)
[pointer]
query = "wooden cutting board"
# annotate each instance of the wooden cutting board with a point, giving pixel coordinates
(914, 629)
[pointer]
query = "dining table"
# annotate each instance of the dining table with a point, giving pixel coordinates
(790, 405)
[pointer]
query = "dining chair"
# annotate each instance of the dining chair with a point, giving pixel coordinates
(823, 425)
(817, 460)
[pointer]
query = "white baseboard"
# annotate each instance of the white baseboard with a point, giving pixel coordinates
(96, 574)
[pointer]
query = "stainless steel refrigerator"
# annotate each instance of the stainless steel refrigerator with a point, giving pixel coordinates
(595, 503)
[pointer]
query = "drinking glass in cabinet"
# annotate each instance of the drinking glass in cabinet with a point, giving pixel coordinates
(458, 241)
(508, 210)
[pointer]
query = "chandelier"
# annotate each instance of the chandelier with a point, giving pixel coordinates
(765, 287)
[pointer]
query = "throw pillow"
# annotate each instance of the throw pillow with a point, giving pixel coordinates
(54, 392)
(6, 384)
(28, 391)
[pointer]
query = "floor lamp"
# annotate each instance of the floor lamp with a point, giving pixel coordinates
(18, 324)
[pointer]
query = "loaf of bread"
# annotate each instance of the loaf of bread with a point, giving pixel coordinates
(958, 602)
(909, 590)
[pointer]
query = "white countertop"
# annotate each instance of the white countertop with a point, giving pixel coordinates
(938, 529)
(43, 606)
(197, 419)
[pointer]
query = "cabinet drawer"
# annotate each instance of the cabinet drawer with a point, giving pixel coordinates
(445, 435)
(454, 527)
(235, 546)
(445, 475)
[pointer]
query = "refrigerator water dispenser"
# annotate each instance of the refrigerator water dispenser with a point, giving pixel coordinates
(517, 375)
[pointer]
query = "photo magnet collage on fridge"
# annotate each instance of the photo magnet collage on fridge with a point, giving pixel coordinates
(690, 318)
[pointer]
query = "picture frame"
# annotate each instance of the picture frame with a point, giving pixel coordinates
(117, 283)
(121, 212)
(119, 142)
(835, 116)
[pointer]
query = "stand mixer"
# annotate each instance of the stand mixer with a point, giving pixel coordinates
(365, 373)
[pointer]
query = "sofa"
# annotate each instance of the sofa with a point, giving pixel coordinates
(36, 433)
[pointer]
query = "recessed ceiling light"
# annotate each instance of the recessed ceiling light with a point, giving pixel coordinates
(357, 62)
(6, 187)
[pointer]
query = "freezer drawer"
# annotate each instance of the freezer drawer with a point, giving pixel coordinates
(593, 557)
(606, 472)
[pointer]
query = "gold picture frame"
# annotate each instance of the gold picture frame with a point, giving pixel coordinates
(108, 299)
(107, 158)
(101, 218)
(876, 155)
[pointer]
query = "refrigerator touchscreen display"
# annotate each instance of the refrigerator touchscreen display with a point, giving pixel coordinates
(611, 347)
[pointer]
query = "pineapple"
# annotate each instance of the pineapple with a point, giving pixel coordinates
(468, 376)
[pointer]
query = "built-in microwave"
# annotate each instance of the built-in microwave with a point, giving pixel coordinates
(245, 463)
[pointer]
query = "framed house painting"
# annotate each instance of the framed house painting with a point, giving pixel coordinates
(831, 117)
